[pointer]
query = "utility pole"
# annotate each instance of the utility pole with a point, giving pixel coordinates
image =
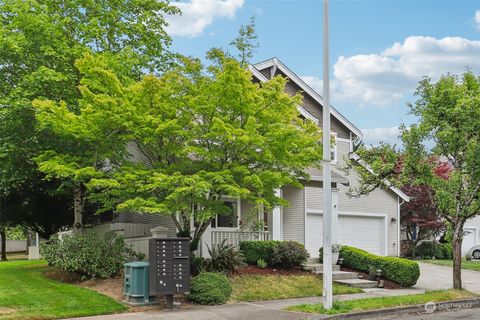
(327, 186)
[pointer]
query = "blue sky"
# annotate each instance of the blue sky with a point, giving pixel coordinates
(379, 49)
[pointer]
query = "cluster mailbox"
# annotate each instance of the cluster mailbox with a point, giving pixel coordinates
(169, 266)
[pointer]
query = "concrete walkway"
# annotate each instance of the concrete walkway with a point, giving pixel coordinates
(435, 277)
(265, 310)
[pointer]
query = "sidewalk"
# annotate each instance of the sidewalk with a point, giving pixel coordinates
(265, 310)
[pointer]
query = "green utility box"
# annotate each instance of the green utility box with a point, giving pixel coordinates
(136, 283)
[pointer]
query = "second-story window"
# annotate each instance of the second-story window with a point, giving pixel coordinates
(333, 149)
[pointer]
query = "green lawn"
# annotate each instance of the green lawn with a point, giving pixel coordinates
(26, 294)
(269, 287)
(466, 264)
(383, 302)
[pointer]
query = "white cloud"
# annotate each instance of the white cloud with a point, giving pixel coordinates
(317, 85)
(376, 135)
(198, 14)
(314, 82)
(385, 78)
(477, 19)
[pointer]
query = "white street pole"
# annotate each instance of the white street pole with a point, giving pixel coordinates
(327, 187)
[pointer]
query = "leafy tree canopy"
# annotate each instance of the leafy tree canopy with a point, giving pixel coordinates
(442, 151)
(199, 133)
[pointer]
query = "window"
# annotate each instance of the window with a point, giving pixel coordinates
(333, 150)
(227, 220)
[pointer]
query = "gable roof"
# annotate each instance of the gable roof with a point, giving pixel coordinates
(277, 64)
(387, 183)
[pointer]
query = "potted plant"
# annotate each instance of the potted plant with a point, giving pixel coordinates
(372, 273)
(335, 253)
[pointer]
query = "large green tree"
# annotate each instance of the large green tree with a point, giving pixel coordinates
(199, 133)
(39, 44)
(96, 128)
(442, 152)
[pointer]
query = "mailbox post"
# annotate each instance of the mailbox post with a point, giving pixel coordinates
(169, 267)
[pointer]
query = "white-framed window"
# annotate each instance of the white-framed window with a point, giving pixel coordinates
(228, 220)
(333, 148)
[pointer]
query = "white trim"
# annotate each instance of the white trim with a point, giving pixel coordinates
(305, 216)
(292, 76)
(334, 149)
(277, 219)
(343, 139)
(398, 226)
(307, 114)
(398, 192)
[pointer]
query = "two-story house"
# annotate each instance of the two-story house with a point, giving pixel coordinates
(369, 222)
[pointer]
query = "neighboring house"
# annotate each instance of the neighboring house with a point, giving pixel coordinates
(369, 222)
(472, 234)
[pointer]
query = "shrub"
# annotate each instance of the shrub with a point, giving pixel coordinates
(210, 288)
(445, 251)
(224, 258)
(288, 254)
(262, 264)
(197, 265)
(432, 249)
(256, 250)
(89, 256)
(402, 271)
(426, 250)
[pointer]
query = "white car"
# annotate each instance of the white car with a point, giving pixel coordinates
(474, 253)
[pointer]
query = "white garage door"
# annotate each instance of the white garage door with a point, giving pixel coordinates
(469, 240)
(367, 233)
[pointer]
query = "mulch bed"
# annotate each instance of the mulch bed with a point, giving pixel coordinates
(363, 275)
(271, 271)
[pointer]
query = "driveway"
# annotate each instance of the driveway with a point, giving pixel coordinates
(434, 277)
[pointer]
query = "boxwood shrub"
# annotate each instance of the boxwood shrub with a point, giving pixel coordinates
(210, 288)
(402, 271)
(289, 254)
(256, 250)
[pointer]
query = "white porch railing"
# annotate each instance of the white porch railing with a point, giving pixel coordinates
(234, 237)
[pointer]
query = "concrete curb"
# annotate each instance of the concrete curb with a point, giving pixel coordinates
(415, 309)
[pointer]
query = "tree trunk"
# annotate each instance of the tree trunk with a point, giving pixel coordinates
(457, 256)
(78, 207)
(3, 238)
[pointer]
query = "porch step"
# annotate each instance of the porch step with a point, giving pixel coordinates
(341, 275)
(358, 283)
(318, 267)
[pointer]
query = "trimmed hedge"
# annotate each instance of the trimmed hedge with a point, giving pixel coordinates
(402, 271)
(210, 288)
(256, 250)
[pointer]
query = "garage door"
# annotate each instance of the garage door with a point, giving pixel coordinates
(367, 233)
(469, 240)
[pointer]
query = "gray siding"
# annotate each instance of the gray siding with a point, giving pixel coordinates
(150, 219)
(294, 214)
(382, 201)
(315, 108)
